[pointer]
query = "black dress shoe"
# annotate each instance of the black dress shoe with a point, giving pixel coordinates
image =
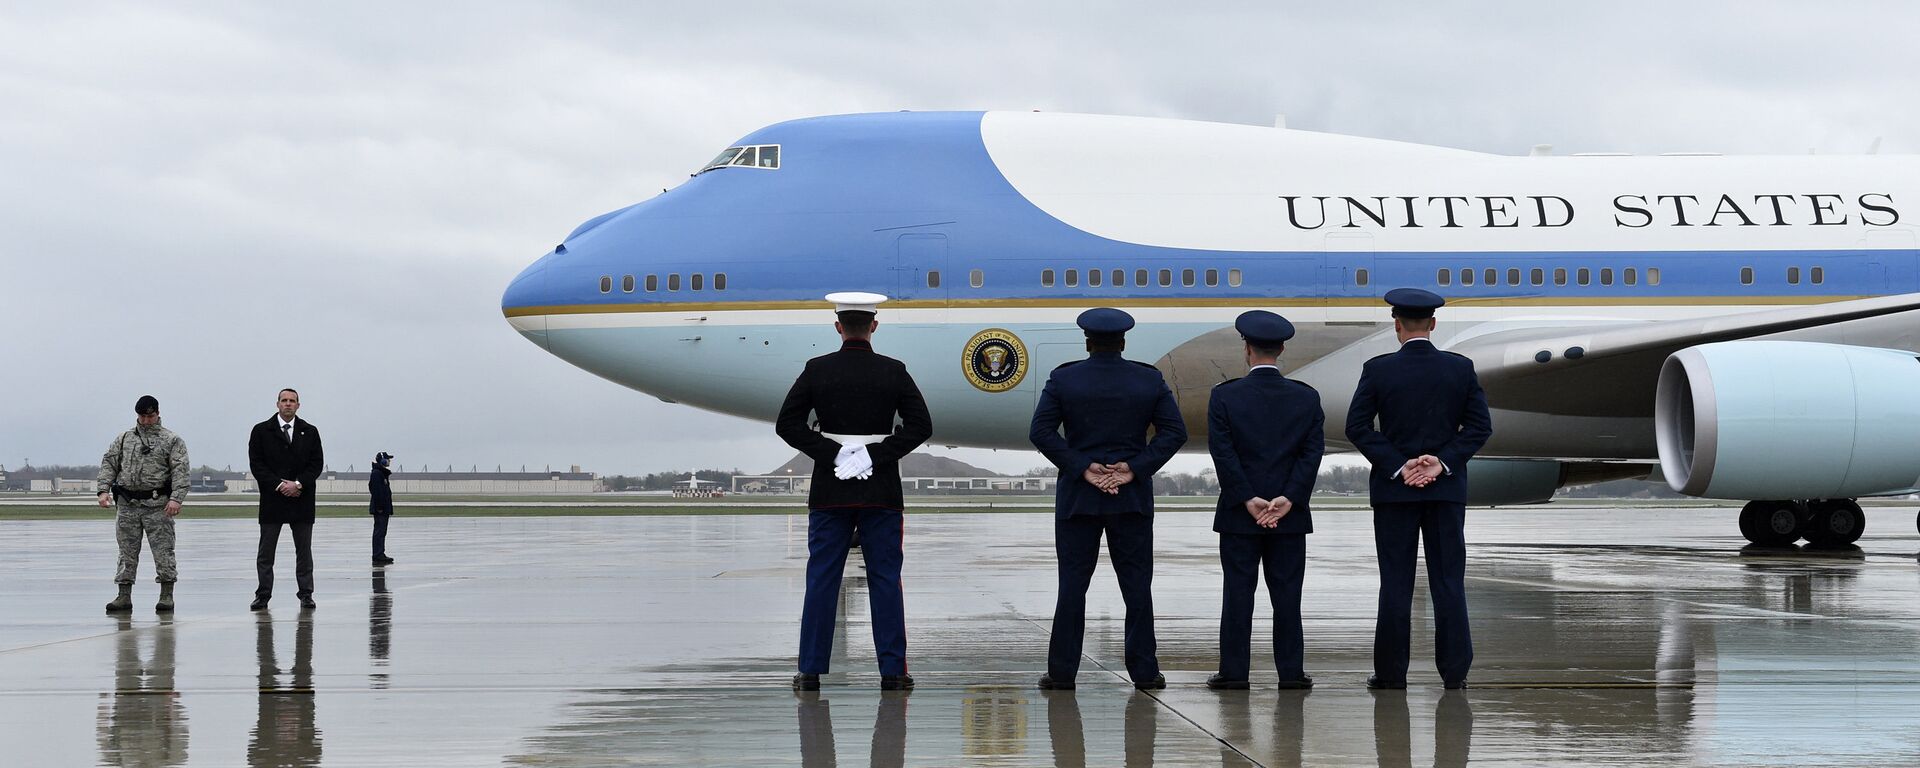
(1219, 682)
(307, 604)
(1155, 683)
(259, 604)
(383, 561)
(896, 682)
(1304, 683)
(806, 682)
(1455, 685)
(1047, 683)
(1375, 683)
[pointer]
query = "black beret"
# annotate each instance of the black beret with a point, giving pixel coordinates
(146, 405)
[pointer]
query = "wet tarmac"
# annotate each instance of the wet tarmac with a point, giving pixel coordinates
(1602, 637)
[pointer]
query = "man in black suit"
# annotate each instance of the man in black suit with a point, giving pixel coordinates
(1266, 434)
(1433, 418)
(1092, 422)
(854, 395)
(284, 452)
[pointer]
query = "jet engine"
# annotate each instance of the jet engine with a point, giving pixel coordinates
(1789, 420)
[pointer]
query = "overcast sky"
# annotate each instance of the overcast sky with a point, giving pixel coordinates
(212, 202)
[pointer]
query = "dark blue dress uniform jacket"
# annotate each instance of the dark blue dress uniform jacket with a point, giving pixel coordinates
(1105, 402)
(855, 392)
(379, 491)
(1430, 403)
(1266, 434)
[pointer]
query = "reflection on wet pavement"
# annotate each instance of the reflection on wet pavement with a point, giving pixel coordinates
(284, 732)
(142, 720)
(1602, 637)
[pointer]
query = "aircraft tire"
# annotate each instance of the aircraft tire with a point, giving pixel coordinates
(1834, 522)
(1773, 522)
(1750, 519)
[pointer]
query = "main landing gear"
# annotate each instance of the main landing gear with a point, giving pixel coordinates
(1822, 522)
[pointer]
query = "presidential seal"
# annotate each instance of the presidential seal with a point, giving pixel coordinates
(994, 360)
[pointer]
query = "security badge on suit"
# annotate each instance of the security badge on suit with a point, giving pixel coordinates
(1105, 404)
(856, 454)
(1432, 419)
(1265, 432)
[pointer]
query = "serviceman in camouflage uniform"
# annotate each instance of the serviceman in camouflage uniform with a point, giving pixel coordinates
(145, 470)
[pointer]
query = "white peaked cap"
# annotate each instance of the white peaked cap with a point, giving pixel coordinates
(856, 301)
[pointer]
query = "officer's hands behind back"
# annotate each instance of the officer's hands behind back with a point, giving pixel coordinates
(1108, 477)
(1421, 471)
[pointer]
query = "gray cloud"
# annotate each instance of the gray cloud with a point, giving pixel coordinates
(209, 203)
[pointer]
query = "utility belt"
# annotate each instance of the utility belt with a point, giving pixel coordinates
(130, 494)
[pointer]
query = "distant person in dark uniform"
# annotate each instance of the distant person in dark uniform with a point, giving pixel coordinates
(380, 503)
(1432, 419)
(855, 395)
(1105, 404)
(285, 454)
(1266, 433)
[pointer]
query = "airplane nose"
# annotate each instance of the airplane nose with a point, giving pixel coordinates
(524, 297)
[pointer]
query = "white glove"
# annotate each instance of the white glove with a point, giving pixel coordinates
(853, 463)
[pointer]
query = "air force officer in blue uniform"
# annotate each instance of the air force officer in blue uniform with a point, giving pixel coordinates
(1432, 419)
(1266, 433)
(1105, 405)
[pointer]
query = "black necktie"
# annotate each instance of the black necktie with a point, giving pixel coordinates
(289, 429)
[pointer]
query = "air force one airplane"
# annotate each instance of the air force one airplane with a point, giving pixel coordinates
(1745, 327)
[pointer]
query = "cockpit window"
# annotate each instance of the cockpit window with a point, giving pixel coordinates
(764, 156)
(723, 159)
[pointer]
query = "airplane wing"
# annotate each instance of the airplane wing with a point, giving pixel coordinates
(1610, 371)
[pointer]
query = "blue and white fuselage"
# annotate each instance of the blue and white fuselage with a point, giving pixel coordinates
(1570, 279)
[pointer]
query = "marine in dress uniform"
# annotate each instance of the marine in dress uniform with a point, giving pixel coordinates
(1266, 434)
(1105, 405)
(855, 395)
(1432, 418)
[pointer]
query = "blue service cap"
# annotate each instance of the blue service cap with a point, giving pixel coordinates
(1264, 328)
(1105, 321)
(1414, 303)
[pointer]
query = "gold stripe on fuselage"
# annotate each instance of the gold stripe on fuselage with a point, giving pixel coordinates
(1245, 301)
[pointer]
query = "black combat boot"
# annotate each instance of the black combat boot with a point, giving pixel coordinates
(124, 602)
(166, 598)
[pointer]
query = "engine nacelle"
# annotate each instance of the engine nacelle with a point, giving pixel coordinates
(1509, 482)
(1789, 420)
(1506, 482)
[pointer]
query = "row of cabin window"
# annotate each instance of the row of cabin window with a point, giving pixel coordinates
(1538, 276)
(695, 282)
(1118, 278)
(1815, 275)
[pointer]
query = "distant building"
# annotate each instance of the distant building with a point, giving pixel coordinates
(505, 483)
(919, 473)
(695, 488)
(61, 485)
